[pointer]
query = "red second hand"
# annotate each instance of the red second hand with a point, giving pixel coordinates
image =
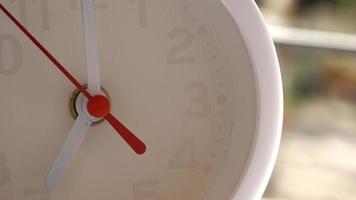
(136, 144)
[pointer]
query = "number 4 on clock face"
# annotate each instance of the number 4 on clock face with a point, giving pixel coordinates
(185, 157)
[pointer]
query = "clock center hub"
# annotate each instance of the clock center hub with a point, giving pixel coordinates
(93, 110)
(98, 106)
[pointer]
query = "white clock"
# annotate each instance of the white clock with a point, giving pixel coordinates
(137, 100)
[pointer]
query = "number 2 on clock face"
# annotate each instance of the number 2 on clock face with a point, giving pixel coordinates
(175, 53)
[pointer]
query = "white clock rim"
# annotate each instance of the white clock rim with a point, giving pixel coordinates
(270, 98)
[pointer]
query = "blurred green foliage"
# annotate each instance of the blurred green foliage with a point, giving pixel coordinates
(305, 84)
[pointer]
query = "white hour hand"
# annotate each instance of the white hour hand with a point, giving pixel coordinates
(67, 153)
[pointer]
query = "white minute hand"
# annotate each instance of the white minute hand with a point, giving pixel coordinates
(91, 49)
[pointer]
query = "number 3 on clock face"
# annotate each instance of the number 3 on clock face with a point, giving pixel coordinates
(197, 80)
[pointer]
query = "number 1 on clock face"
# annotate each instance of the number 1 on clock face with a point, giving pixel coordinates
(142, 12)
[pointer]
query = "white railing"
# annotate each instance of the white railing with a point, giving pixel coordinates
(313, 38)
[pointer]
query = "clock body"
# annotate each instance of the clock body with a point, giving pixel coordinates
(198, 81)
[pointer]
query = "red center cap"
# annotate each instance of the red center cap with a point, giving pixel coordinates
(98, 106)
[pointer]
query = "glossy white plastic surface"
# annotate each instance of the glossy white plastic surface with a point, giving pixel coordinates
(270, 97)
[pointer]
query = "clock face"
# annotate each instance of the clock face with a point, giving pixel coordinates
(178, 75)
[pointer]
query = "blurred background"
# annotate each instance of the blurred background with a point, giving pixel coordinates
(316, 44)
